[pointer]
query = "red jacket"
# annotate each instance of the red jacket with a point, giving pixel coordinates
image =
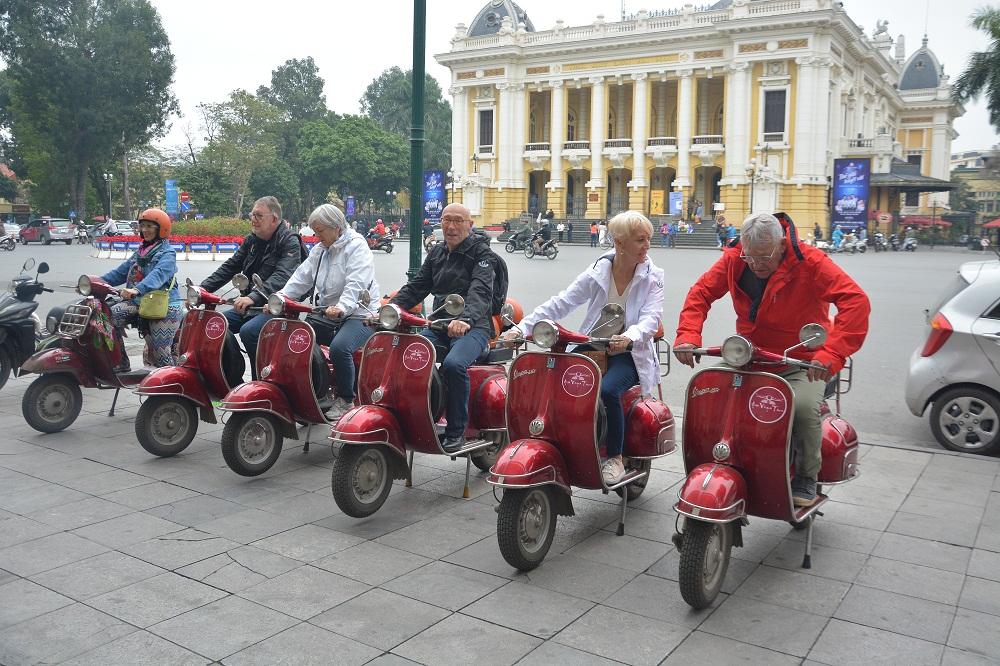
(798, 293)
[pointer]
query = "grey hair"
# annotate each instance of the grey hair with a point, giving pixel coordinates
(273, 205)
(624, 224)
(327, 215)
(761, 228)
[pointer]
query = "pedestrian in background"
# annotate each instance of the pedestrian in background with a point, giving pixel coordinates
(664, 233)
(672, 235)
(561, 228)
(593, 234)
(569, 232)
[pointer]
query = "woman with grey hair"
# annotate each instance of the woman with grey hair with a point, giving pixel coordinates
(628, 277)
(338, 269)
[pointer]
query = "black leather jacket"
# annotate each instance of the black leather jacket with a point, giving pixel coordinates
(467, 271)
(273, 260)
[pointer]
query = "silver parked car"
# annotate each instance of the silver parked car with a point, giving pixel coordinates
(957, 370)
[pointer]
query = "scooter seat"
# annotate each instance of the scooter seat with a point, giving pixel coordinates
(133, 377)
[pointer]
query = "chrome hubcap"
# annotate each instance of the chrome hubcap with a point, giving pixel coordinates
(169, 423)
(969, 423)
(713, 557)
(54, 402)
(369, 476)
(534, 523)
(256, 439)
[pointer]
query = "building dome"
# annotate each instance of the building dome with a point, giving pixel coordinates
(921, 71)
(490, 18)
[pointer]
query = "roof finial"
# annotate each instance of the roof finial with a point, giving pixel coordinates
(923, 42)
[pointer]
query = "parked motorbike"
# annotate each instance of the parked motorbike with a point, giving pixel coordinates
(548, 249)
(7, 243)
(556, 424)
(90, 354)
(738, 457)
(294, 386)
(20, 328)
(879, 242)
(82, 235)
(400, 411)
(910, 244)
(210, 364)
(518, 241)
(380, 242)
(894, 242)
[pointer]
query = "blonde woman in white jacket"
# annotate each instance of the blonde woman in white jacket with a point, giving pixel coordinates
(628, 277)
(339, 268)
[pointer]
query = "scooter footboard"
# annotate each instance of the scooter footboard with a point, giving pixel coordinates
(369, 424)
(713, 493)
(258, 396)
(529, 462)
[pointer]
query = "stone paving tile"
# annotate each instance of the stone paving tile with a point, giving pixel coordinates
(912, 580)
(138, 649)
(178, 549)
(981, 595)
(791, 589)
(846, 537)
(223, 627)
(304, 645)
(48, 552)
(18, 529)
(659, 599)
(6, 577)
(250, 525)
(622, 636)
(702, 648)
(371, 562)
(647, 525)
(550, 652)
(59, 635)
(484, 555)
(460, 640)
(308, 543)
(919, 618)
(445, 585)
(975, 632)
(738, 571)
(22, 600)
(765, 625)
(874, 518)
(239, 568)
(391, 660)
(528, 609)
(79, 513)
(988, 538)
(155, 599)
(150, 495)
(869, 645)
(579, 578)
(97, 575)
(955, 657)
(940, 508)
(433, 537)
(954, 531)
(624, 552)
(984, 564)
(304, 592)
(827, 562)
(196, 510)
(399, 618)
(38, 498)
(127, 530)
(106, 482)
(866, 495)
(308, 507)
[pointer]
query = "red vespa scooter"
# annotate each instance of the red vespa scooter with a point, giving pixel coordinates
(91, 354)
(402, 401)
(737, 455)
(556, 422)
(295, 380)
(209, 365)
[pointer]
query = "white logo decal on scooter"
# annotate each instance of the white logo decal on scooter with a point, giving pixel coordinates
(578, 380)
(214, 328)
(697, 392)
(416, 357)
(767, 404)
(374, 350)
(522, 373)
(298, 341)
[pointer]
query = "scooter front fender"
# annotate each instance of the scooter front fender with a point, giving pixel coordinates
(59, 359)
(369, 424)
(526, 463)
(175, 380)
(713, 493)
(260, 396)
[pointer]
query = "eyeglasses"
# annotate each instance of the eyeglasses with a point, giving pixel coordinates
(258, 216)
(452, 220)
(758, 259)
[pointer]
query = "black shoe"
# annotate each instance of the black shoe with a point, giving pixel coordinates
(803, 490)
(453, 444)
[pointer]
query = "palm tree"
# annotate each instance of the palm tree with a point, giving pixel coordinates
(982, 74)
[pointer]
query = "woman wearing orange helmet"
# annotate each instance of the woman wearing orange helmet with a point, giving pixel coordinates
(152, 267)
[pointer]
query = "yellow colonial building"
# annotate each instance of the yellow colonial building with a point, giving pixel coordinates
(742, 105)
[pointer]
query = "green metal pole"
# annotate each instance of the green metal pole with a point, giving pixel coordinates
(417, 135)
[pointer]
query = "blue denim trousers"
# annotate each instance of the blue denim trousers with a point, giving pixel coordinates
(458, 355)
(352, 335)
(620, 377)
(248, 326)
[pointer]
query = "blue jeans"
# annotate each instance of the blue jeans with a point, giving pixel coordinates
(458, 355)
(248, 325)
(352, 335)
(620, 377)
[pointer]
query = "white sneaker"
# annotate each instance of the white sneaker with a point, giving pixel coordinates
(612, 470)
(339, 408)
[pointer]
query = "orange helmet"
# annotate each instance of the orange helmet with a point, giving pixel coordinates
(159, 218)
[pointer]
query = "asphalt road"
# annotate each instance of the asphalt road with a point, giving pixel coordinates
(900, 285)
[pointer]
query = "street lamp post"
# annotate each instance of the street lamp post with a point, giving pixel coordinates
(450, 186)
(751, 170)
(108, 177)
(391, 194)
(475, 163)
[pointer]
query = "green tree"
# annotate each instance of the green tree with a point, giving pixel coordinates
(297, 89)
(387, 102)
(88, 80)
(982, 74)
(278, 180)
(8, 188)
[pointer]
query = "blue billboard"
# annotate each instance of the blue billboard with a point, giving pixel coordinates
(349, 207)
(676, 203)
(851, 185)
(173, 197)
(434, 201)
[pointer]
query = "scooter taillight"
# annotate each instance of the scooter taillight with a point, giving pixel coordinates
(941, 330)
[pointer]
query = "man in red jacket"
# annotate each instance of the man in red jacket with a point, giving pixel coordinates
(778, 285)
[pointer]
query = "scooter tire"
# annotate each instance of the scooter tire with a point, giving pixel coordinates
(529, 251)
(705, 546)
(525, 539)
(361, 479)
(6, 365)
(552, 253)
(387, 248)
(165, 425)
(67, 395)
(636, 488)
(510, 247)
(236, 438)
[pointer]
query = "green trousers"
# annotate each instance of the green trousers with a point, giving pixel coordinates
(807, 424)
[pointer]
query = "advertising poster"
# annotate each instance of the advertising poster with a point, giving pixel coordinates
(676, 203)
(350, 207)
(851, 182)
(173, 198)
(656, 202)
(433, 195)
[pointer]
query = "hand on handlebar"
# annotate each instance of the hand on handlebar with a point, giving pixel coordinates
(457, 329)
(242, 303)
(683, 354)
(127, 293)
(512, 338)
(618, 344)
(333, 312)
(818, 372)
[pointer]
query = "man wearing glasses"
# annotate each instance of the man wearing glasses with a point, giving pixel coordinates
(271, 251)
(778, 285)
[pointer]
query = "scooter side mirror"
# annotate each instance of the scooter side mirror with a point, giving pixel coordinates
(454, 305)
(43, 267)
(812, 336)
(241, 281)
(258, 285)
(365, 298)
(507, 314)
(188, 283)
(611, 322)
(28, 264)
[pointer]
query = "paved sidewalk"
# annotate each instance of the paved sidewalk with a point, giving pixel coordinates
(111, 556)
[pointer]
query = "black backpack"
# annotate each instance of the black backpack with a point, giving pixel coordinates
(501, 280)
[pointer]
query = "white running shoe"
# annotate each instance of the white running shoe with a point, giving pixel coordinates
(339, 408)
(612, 470)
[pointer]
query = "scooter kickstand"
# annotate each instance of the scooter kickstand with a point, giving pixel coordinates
(807, 558)
(305, 447)
(621, 523)
(409, 469)
(468, 469)
(114, 401)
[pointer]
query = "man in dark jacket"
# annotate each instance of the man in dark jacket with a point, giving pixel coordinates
(271, 251)
(462, 265)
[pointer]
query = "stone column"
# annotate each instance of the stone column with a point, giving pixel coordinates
(640, 127)
(598, 124)
(519, 127)
(738, 138)
(821, 118)
(805, 124)
(503, 142)
(459, 128)
(583, 120)
(684, 133)
(661, 109)
(558, 133)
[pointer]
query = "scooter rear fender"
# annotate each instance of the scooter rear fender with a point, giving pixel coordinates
(56, 360)
(369, 424)
(260, 396)
(713, 493)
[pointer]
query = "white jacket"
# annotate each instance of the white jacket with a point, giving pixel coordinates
(340, 272)
(643, 311)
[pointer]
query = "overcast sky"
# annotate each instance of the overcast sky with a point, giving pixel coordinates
(223, 45)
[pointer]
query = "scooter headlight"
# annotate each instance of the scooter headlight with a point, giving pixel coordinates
(388, 317)
(545, 334)
(83, 286)
(276, 305)
(737, 351)
(193, 296)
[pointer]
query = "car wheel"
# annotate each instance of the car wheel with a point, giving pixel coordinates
(967, 419)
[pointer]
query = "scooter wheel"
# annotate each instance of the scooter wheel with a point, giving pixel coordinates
(387, 248)
(552, 253)
(704, 561)
(251, 443)
(635, 488)
(6, 365)
(165, 425)
(526, 524)
(52, 403)
(529, 252)
(361, 479)
(510, 247)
